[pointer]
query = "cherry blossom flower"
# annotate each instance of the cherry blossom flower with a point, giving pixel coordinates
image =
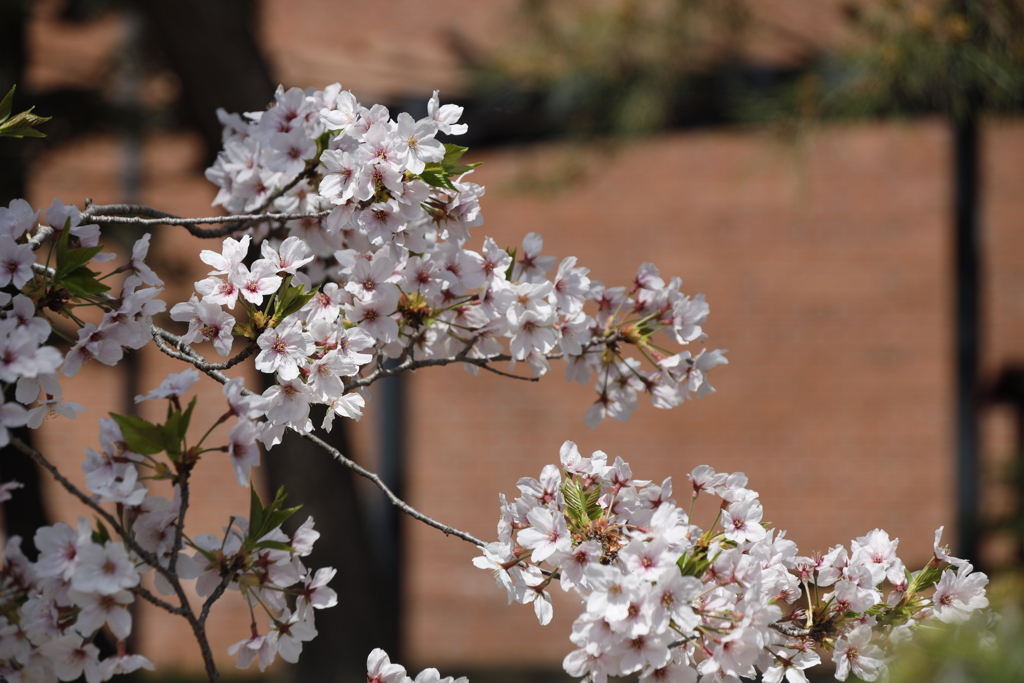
(174, 386)
(7, 487)
(959, 593)
(105, 569)
(855, 653)
(243, 449)
(284, 350)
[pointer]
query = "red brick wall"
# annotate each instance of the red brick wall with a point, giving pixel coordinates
(827, 266)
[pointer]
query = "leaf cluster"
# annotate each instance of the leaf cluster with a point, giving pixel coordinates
(20, 125)
(71, 272)
(264, 519)
(439, 173)
(146, 438)
(581, 505)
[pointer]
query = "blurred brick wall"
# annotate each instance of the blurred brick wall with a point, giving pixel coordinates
(827, 265)
(828, 270)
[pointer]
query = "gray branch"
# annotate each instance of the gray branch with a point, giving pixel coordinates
(186, 353)
(185, 610)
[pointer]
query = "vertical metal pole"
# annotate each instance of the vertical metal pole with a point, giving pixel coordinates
(965, 135)
(968, 348)
(383, 518)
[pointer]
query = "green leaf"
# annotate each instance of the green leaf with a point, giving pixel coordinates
(437, 179)
(142, 437)
(21, 133)
(70, 259)
(177, 425)
(594, 511)
(22, 124)
(8, 102)
(62, 241)
(101, 535)
(292, 300)
(275, 545)
(463, 168)
(511, 251)
(575, 506)
(452, 154)
(278, 517)
(694, 563)
(82, 282)
(263, 520)
(255, 513)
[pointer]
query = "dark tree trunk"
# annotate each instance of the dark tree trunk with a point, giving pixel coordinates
(212, 49)
(24, 512)
(364, 617)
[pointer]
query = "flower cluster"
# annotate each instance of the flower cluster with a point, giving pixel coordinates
(380, 669)
(84, 580)
(63, 285)
(362, 223)
(672, 601)
(383, 248)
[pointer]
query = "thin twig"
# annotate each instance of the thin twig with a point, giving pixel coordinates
(162, 604)
(139, 214)
(189, 355)
(174, 220)
(225, 581)
(379, 483)
(186, 353)
(502, 373)
(185, 610)
(194, 358)
(179, 527)
(144, 554)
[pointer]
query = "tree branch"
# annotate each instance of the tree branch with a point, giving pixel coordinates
(189, 355)
(162, 604)
(395, 500)
(185, 609)
(131, 214)
(139, 214)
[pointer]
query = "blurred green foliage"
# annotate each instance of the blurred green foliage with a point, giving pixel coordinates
(912, 56)
(615, 66)
(629, 67)
(987, 649)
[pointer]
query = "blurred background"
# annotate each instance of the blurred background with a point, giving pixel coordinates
(843, 181)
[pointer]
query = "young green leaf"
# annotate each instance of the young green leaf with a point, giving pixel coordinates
(575, 506)
(7, 104)
(177, 424)
(255, 513)
(452, 154)
(594, 511)
(291, 300)
(70, 259)
(275, 545)
(437, 179)
(101, 535)
(142, 437)
(23, 125)
(82, 282)
(511, 251)
(463, 168)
